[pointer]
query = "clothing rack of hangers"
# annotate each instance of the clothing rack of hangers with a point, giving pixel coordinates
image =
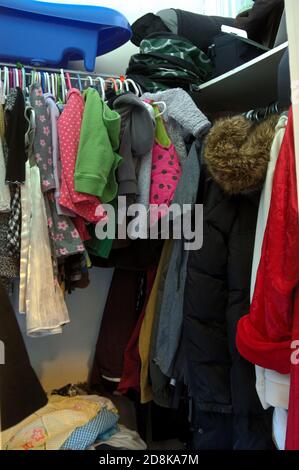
(74, 73)
(60, 80)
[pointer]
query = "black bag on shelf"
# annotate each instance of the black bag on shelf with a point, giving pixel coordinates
(230, 51)
(167, 60)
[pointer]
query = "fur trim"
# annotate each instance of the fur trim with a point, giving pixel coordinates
(237, 152)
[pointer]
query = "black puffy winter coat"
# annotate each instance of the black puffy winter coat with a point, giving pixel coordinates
(226, 413)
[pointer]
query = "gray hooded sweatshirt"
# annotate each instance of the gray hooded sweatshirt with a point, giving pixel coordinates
(137, 140)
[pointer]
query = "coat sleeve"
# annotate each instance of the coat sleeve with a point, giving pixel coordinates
(193, 121)
(264, 335)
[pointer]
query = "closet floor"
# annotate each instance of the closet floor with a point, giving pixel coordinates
(128, 418)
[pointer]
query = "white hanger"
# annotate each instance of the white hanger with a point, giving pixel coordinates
(16, 79)
(2, 94)
(90, 80)
(150, 110)
(53, 90)
(39, 78)
(6, 81)
(130, 81)
(121, 84)
(24, 80)
(63, 85)
(48, 83)
(103, 86)
(163, 104)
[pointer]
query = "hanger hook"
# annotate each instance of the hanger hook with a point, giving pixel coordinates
(6, 81)
(68, 80)
(63, 85)
(16, 78)
(79, 82)
(130, 81)
(160, 103)
(111, 79)
(23, 79)
(89, 77)
(103, 88)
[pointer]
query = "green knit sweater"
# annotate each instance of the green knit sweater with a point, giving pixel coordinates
(97, 160)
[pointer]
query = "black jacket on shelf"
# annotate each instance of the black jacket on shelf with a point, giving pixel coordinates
(226, 412)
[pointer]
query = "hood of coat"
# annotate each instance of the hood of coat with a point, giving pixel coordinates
(136, 119)
(237, 153)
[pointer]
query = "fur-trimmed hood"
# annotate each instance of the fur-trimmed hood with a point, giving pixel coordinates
(237, 152)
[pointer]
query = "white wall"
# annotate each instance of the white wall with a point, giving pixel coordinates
(67, 358)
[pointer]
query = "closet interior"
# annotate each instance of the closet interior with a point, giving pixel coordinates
(149, 230)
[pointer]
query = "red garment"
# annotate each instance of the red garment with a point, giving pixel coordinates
(82, 229)
(132, 362)
(264, 337)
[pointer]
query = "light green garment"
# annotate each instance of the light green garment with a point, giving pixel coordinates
(97, 160)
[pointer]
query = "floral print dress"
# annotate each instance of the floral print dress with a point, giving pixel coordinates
(64, 236)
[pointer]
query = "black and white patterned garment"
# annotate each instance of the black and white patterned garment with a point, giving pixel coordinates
(9, 263)
(14, 224)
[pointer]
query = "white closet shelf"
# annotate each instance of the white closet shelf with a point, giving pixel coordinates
(249, 86)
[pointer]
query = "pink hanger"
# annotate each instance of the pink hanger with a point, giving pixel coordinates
(68, 80)
(114, 82)
(20, 79)
(11, 78)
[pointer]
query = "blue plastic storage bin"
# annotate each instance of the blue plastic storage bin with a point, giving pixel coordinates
(51, 34)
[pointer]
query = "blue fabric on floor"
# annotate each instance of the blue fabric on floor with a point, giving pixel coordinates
(105, 423)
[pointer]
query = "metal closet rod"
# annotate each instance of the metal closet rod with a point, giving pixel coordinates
(75, 73)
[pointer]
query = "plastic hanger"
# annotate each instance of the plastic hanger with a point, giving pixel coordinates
(103, 88)
(2, 94)
(91, 83)
(11, 78)
(6, 81)
(129, 81)
(57, 85)
(63, 86)
(68, 81)
(16, 78)
(120, 84)
(39, 78)
(48, 82)
(150, 109)
(53, 90)
(60, 88)
(24, 87)
(32, 78)
(79, 82)
(20, 79)
(160, 103)
(112, 80)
